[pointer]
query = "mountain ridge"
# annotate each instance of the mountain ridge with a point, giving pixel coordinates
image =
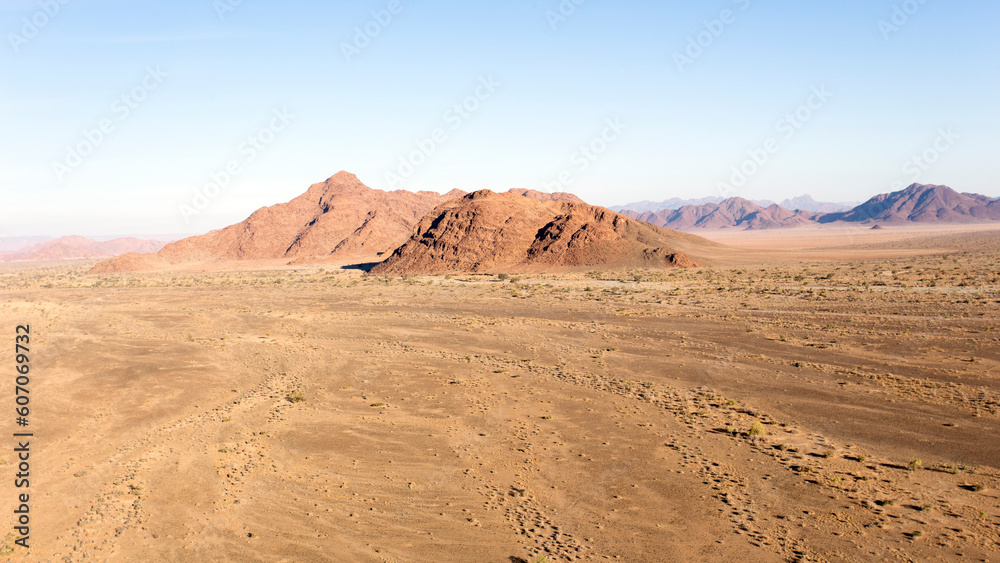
(336, 220)
(76, 247)
(489, 232)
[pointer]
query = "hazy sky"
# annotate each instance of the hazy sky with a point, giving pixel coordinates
(115, 112)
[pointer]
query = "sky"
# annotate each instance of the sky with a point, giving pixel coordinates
(140, 117)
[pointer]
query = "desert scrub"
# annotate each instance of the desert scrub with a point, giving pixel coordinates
(915, 464)
(756, 429)
(296, 396)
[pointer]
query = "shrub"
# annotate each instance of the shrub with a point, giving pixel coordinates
(756, 429)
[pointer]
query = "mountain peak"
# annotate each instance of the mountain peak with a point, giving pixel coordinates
(922, 203)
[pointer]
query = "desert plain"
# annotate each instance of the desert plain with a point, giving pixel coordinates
(811, 395)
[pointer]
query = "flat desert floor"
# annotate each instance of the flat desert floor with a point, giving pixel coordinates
(814, 397)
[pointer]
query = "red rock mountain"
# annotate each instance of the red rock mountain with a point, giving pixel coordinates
(922, 204)
(733, 212)
(77, 247)
(339, 219)
(490, 232)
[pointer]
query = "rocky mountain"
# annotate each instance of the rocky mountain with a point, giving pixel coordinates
(336, 220)
(731, 213)
(77, 247)
(672, 203)
(496, 232)
(340, 217)
(803, 202)
(807, 203)
(921, 203)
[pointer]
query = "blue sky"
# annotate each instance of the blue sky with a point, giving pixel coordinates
(616, 102)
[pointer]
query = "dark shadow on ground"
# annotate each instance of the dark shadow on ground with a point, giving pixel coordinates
(364, 267)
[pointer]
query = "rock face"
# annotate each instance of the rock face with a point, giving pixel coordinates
(731, 213)
(339, 218)
(490, 232)
(77, 247)
(921, 203)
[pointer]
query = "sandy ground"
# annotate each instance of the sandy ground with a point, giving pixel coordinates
(837, 405)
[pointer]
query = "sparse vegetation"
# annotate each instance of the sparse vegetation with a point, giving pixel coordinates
(574, 344)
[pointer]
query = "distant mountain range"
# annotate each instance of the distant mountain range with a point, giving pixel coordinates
(916, 204)
(807, 203)
(17, 244)
(803, 202)
(732, 212)
(76, 247)
(343, 221)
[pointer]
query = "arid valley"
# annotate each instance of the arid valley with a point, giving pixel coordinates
(500, 282)
(812, 395)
